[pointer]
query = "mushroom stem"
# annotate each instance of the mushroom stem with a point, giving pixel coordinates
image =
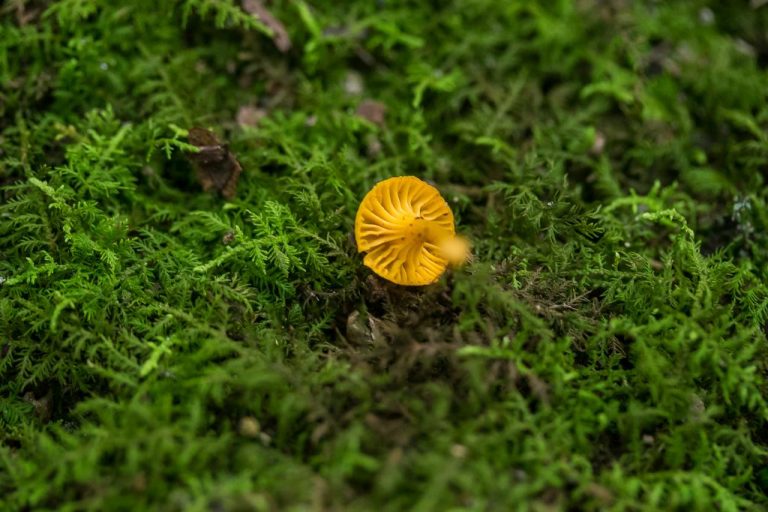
(456, 250)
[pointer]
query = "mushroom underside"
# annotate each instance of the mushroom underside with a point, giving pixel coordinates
(401, 224)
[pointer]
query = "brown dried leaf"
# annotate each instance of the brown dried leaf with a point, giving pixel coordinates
(27, 11)
(216, 167)
(279, 35)
(373, 111)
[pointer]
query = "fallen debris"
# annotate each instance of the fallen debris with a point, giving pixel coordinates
(279, 35)
(373, 111)
(216, 167)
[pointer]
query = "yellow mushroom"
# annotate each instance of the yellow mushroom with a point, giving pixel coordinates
(406, 228)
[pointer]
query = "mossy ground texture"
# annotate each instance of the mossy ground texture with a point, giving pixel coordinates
(166, 348)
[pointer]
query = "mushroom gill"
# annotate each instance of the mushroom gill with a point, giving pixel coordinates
(406, 228)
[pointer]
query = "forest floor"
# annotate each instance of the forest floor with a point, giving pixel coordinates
(163, 347)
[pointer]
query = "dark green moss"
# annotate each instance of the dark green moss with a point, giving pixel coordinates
(164, 349)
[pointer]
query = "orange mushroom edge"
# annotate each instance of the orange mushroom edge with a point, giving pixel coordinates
(407, 231)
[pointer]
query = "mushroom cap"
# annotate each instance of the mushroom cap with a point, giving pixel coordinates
(402, 224)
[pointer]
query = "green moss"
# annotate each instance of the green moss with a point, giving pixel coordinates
(164, 349)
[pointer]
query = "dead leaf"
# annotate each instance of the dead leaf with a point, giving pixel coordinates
(373, 111)
(279, 35)
(216, 167)
(600, 493)
(27, 11)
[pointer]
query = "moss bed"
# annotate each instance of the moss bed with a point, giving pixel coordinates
(168, 348)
